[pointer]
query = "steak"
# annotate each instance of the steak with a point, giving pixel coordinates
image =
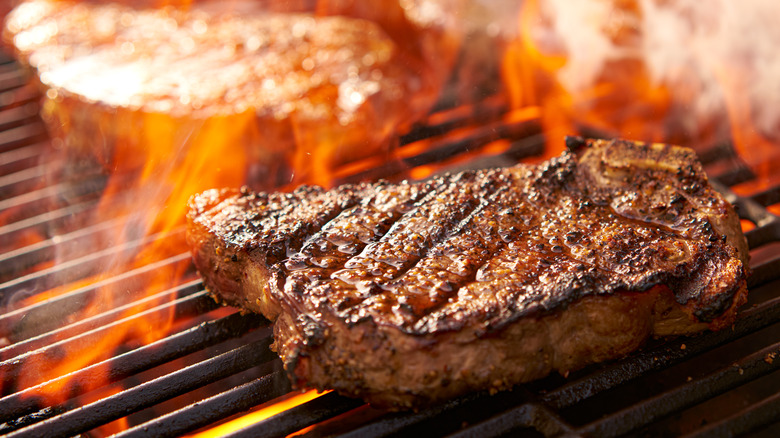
(407, 294)
(282, 96)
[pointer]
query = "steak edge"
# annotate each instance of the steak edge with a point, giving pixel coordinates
(407, 294)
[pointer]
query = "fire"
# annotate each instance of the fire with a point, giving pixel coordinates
(157, 159)
(600, 67)
(272, 408)
(177, 162)
(650, 70)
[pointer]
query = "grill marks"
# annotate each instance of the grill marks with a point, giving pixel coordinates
(391, 273)
(411, 237)
(309, 271)
(405, 250)
(455, 262)
(274, 224)
(404, 261)
(560, 255)
(483, 277)
(488, 246)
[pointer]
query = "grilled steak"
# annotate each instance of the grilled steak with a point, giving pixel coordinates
(259, 92)
(406, 294)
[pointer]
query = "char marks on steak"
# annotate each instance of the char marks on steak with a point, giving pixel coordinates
(406, 294)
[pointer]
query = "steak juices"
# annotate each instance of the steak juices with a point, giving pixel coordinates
(407, 294)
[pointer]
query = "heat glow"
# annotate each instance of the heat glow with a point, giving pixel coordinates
(684, 72)
(155, 156)
(274, 408)
(681, 71)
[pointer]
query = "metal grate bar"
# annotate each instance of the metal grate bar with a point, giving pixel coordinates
(33, 418)
(751, 209)
(764, 233)
(522, 416)
(41, 188)
(730, 172)
(528, 415)
(744, 370)
(44, 223)
(19, 159)
(152, 392)
(437, 149)
(79, 296)
(38, 190)
(766, 273)
(395, 423)
(745, 421)
(141, 359)
(15, 95)
(711, 153)
(31, 198)
(74, 244)
(21, 136)
(445, 120)
(768, 196)
(24, 111)
(217, 407)
(20, 183)
(294, 419)
(60, 220)
(664, 356)
(113, 314)
(84, 266)
(12, 77)
(190, 305)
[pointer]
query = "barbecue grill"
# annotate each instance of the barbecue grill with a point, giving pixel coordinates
(213, 366)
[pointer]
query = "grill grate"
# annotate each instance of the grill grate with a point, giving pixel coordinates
(216, 364)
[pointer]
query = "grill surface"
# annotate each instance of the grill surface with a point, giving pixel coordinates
(216, 363)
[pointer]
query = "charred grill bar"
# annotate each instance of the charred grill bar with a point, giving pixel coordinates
(215, 364)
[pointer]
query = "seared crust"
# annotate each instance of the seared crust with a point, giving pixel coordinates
(407, 294)
(255, 232)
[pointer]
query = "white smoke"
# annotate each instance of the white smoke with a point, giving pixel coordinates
(708, 53)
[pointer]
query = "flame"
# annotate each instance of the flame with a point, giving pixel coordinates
(528, 74)
(286, 402)
(172, 171)
(157, 160)
(621, 100)
(115, 426)
(758, 150)
(662, 71)
(746, 225)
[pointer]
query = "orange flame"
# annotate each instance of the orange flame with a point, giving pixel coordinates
(605, 68)
(529, 79)
(171, 173)
(273, 408)
(158, 160)
(758, 150)
(169, 159)
(622, 101)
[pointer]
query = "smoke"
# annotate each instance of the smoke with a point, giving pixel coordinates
(717, 58)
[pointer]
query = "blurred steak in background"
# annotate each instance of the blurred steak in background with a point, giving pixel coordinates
(265, 97)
